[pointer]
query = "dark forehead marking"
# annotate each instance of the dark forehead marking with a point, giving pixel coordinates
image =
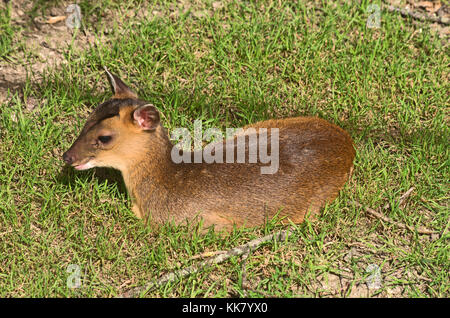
(107, 109)
(110, 109)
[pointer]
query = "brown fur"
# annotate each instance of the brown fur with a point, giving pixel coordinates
(315, 161)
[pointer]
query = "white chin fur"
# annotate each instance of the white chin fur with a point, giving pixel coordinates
(85, 166)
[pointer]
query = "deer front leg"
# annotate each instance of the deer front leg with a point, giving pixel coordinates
(136, 211)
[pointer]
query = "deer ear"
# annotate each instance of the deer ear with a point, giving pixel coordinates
(118, 87)
(146, 117)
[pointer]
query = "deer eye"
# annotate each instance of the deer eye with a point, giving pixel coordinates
(104, 139)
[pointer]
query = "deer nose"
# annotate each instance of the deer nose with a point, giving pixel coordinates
(68, 158)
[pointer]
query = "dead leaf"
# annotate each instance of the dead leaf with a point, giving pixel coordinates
(424, 4)
(429, 6)
(56, 19)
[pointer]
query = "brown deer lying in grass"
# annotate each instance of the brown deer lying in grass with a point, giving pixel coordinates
(314, 160)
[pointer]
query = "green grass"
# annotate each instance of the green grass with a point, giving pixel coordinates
(6, 31)
(230, 66)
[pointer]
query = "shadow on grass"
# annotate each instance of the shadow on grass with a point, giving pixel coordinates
(413, 137)
(112, 177)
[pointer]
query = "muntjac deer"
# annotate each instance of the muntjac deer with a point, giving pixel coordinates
(314, 159)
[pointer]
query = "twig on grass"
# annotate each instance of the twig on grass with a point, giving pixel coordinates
(418, 16)
(207, 254)
(402, 198)
(245, 284)
(384, 218)
(237, 251)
